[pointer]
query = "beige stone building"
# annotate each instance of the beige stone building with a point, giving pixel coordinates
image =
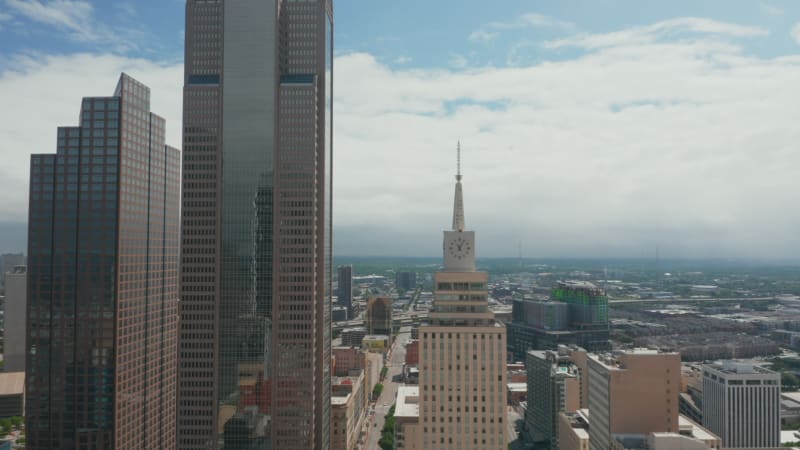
(632, 393)
(408, 434)
(573, 430)
(462, 352)
(348, 411)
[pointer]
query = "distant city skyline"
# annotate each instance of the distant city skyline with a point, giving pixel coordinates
(589, 129)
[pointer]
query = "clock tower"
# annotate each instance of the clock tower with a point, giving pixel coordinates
(459, 245)
(462, 351)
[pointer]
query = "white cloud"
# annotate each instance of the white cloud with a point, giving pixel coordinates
(458, 61)
(482, 35)
(796, 32)
(43, 92)
(660, 30)
(402, 60)
(490, 31)
(532, 20)
(76, 19)
(73, 16)
(771, 10)
(689, 145)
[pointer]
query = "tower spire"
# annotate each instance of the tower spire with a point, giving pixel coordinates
(458, 204)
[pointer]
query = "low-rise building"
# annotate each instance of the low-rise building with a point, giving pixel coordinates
(12, 394)
(348, 411)
(377, 343)
(408, 436)
(573, 430)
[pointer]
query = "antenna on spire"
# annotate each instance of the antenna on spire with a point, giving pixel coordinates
(458, 161)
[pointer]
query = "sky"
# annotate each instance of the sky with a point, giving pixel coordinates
(588, 128)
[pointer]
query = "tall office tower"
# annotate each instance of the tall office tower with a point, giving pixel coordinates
(345, 288)
(633, 392)
(405, 280)
(554, 386)
(103, 234)
(256, 260)
(462, 352)
(14, 311)
(379, 316)
(741, 404)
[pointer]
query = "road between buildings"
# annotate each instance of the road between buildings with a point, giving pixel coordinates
(387, 398)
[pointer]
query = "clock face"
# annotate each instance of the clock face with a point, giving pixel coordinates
(459, 248)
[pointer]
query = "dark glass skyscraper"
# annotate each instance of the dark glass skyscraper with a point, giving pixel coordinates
(103, 233)
(256, 261)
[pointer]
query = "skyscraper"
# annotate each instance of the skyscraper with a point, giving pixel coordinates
(741, 404)
(462, 352)
(256, 260)
(344, 285)
(103, 249)
(378, 316)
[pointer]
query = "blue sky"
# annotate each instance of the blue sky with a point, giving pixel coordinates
(589, 128)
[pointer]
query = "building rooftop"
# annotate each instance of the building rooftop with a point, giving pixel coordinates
(339, 399)
(686, 425)
(740, 368)
(407, 402)
(12, 383)
(518, 387)
(375, 337)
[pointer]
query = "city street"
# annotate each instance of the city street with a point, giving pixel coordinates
(387, 398)
(513, 420)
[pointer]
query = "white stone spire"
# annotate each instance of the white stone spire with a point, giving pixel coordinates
(458, 206)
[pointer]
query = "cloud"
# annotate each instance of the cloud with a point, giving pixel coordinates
(688, 145)
(72, 16)
(482, 35)
(771, 10)
(46, 91)
(796, 32)
(660, 30)
(76, 19)
(402, 60)
(458, 61)
(491, 30)
(532, 20)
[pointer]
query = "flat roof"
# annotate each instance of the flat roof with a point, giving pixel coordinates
(518, 387)
(339, 399)
(407, 401)
(12, 383)
(698, 432)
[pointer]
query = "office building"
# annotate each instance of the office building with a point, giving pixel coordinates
(462, 352)
(103, 246)
(256, 252)
(554, 386)
(632, 393)
(577, 314)
(379, 315)
(344, 287)
(742, 404)
(14, 312)
(406, 281)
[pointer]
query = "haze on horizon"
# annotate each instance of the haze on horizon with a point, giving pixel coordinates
(670, 126)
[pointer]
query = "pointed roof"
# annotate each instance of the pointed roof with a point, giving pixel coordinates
(458, 204)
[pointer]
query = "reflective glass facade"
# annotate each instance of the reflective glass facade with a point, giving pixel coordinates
(103, 279)
(255, 309)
